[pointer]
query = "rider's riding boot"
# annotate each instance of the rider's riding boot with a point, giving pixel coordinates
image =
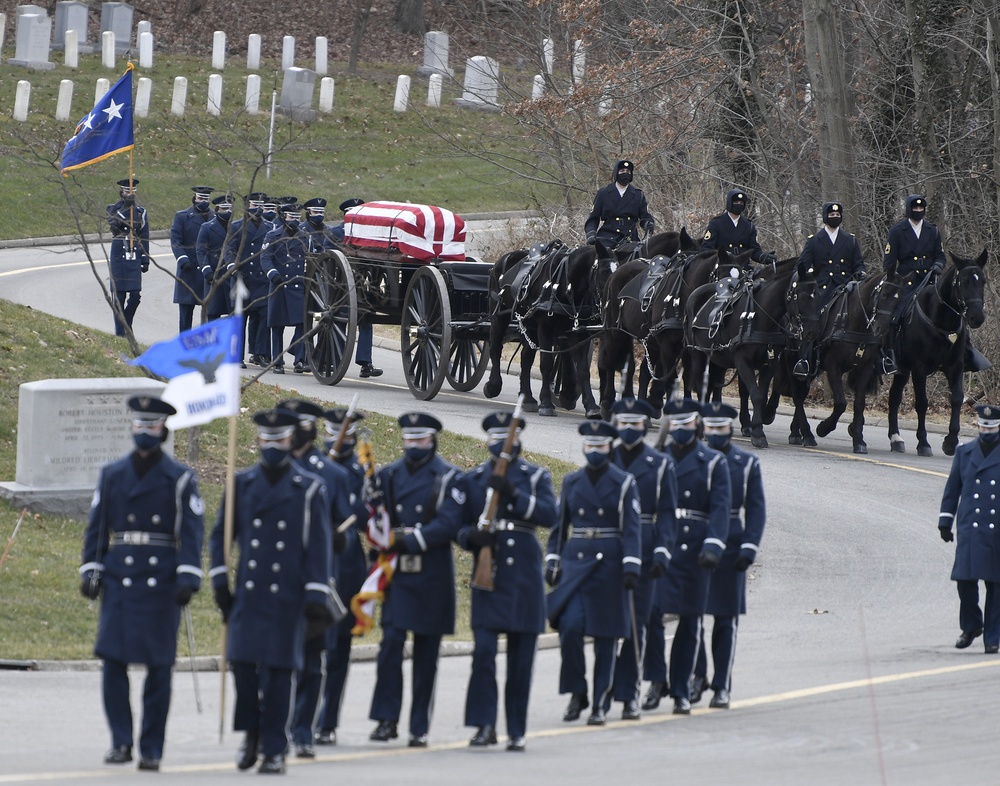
(975, 360)
(889, 366)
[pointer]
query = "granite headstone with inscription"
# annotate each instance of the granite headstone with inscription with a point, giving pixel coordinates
(72, 15)
(31, 47)
(117, 18)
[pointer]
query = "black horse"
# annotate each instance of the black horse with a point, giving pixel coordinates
(933, 334)
(749, 329)
(553, 297)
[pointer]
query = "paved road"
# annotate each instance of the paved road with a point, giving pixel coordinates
(845, 671)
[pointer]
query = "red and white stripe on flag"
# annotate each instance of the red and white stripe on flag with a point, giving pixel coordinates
(423, 232)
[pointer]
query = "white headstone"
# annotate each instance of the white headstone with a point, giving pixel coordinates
(103, 86)
(215, 94)
(143, 26)
(145, 49)
(143, 93)
(32, 42)
(579, 61)
(22, 97)
(537, 87)
(402, 93)
(117, 17)
(3, 28)
(108, 49)
(326, 92)
(253, 52)
(218, 50)
(252, 103)
(71, 57)
(64, 102)
(297, 93)
(287, 52)
(548, 55)
(72, 15)
(179, 98)
(481, 84)
(434, 91)
(435, 55)
(322, 56)
(31, 8)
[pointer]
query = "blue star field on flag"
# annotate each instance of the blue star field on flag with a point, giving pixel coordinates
(106, 130)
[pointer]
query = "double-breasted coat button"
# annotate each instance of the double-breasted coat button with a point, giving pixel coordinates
(510, 541)
(257, 523)
(151, 581)
(126, 582)
(687, 528)
(600, 511)
(154, 560)
(282, 525)
(254, 543)
(684, 547)
(252, 564)
(510, 560)
(687, 492)
(156, 518)
(579, 555)
(249, 585)
(130, 518)
(274, 588)
(580, 512)
(280, 545)
(600, 555)
(975, 523)
(419, 508)
(275, 567)
(129, 560)
(399, 508)
(976, 495)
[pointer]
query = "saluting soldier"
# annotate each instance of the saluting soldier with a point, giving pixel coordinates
(704, 500)
(281, 527)
(516, 606)
(142, 556)
(619, 210)
(129, 256)
(211, 240)
(593, 562)
(970, 492)
(190, 284)
(734, 232)
(727, 594)
(350, 570)
(337, 482)
(283, 258)
(424, 498)
(656, 484)
(242, 253)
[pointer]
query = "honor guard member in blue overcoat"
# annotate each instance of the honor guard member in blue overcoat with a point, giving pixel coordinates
(656, 483)
(350, 569)
(593, 560)
(424, 497)
(734, 233)
(270, 211)
(281, 527)
(727, 594)
(321, 237)
(619, 210)
(211, 241)
(704, 501)
(305, 454)
(516, 606)
(190, 283)
(142, 557)
(969, 507)
(129, 258)
(242, 255)
(338, 231)
(283, 258)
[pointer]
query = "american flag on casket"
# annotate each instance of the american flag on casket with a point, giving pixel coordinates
(423, 232)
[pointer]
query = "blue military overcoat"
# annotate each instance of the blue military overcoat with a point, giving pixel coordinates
(285, 255)
(517, 602)
(727, 595)
(598, 538)
(735, 239)
(428, 502)
(211, 240)
(283, 535)
(656, 484)
(913, 254)
(190, 284)
(144, 538)
(704, 499)
(834, 263)
(247, 258)
(970, 505)
(126, 259)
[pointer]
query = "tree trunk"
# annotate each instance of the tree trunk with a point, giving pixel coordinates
(993, 64)
(410, 17)
(362, 8)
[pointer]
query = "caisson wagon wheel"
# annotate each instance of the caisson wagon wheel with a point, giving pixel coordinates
(331, 306)
(467, 362)
(425, 333)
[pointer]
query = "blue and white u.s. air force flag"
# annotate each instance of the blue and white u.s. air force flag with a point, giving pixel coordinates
(106, 130)
(203, 366)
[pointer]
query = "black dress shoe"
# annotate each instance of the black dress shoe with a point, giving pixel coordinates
(631, 710)
(485, 735)
(577, 704)
(418, 741)
(992, 649)
(305, 751)
(272, 765)
(967, 637)
(697, 688)
(150, 765)
(597, 718)
(368, 370)
(243, 364)
(516, 744)
(385, 731)
(278, 370)
(301, 368)
(246, 756)
(720, 700)
(682, 706)
(326, 737)
(657, 690)
(121, 754)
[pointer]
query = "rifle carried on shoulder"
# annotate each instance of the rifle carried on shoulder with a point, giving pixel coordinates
(345, 426)
(482, 577)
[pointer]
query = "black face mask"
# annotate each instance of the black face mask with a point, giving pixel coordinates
(201, 207)
(737, 208)
(915, 213)
(624, 178)
(834, 221)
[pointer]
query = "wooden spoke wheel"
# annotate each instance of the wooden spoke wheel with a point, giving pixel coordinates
(425, 333)
(331, 308)
(467, 362)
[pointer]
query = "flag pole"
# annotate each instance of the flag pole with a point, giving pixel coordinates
(131, 207)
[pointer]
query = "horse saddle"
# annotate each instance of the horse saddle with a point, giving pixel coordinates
(544, 269)
(726, 291)
(642, 287)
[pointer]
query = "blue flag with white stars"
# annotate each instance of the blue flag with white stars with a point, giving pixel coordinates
(105, 131)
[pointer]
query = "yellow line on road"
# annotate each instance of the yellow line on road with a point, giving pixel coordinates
(893, 465)
(648, 720)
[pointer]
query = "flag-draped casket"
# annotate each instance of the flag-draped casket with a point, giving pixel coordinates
(423, 232)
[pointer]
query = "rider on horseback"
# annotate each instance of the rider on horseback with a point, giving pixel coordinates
(619, 210)
(734, 232)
